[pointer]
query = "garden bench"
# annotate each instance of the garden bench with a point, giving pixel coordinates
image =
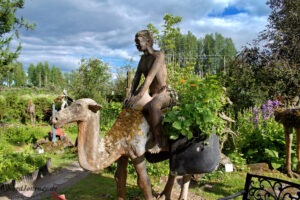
(263, 187)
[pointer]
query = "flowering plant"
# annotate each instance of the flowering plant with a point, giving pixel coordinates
(261, 138)
(200, 101)
(265, 112)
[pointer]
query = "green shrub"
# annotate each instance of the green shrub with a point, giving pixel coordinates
(261, 138)
(19, 135)
(15, 108)
(71, 130)
(15, 165)
(158, 169)
(109, 115)
(16, 135)
(14, 101)
(200, 102)
(43, 106)
(3, 107)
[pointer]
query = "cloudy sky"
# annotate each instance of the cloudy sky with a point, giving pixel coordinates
(68, 30)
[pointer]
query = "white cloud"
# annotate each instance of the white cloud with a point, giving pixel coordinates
(70, 30)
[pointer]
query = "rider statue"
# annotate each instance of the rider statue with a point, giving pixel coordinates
(153, 67)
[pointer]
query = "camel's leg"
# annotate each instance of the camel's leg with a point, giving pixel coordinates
(166, 193)
(298, 149)
(121, 176)
(185, 187)
(143, 178)
(288, 146)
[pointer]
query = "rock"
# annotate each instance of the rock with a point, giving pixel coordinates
(259, 168)
(224, 160)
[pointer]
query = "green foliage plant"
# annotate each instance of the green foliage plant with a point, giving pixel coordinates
(3, 108)
(91, 80)
(21, 135)
(43, 104)
(9, 31)
(261, 138)
(17, 156)
(109, 115)
(14, 108)
(14, 165)
(200, 101)
(13, 105)
(270, 67)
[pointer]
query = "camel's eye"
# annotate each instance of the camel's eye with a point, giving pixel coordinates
(78, 106)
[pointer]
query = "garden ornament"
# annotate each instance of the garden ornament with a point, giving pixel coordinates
(153, 68)
(31, 111)
(126, 139)
(290, 118)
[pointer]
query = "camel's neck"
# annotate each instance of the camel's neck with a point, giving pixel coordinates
(93, 152)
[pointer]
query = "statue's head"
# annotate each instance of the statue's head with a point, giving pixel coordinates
(143, 36)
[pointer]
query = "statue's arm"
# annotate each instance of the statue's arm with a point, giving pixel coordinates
(129, 101)
(136, 80)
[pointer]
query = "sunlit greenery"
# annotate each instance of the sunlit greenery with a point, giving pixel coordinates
(196, 70)
(200, 101)
(10, 24)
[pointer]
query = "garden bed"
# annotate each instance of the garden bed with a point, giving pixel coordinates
(22, 183)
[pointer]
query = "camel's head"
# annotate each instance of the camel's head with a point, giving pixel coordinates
(79, 111)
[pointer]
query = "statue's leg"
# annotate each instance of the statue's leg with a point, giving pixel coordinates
(143, 178)
(298, 149)
(166, 193)
(185, 187)
(154, 117)
(288, 146)
(121, 176)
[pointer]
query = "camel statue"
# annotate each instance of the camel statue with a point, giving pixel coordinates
(290, 118)
(126, 139)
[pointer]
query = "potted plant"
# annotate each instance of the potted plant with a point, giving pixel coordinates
(193, 125)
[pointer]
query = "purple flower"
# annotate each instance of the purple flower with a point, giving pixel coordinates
(255, 116)
(276, 104)
(270, 103)
(265, 111)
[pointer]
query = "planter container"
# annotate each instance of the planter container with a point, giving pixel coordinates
(195, 156)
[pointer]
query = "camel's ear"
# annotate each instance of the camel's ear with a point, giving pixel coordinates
(95, 107)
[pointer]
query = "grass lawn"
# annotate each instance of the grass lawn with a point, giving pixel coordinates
(102, 186)
(98, 186)
(219, 184)
(212, 186)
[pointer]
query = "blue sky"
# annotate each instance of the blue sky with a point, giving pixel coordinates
(69, 30)
(227, 11)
